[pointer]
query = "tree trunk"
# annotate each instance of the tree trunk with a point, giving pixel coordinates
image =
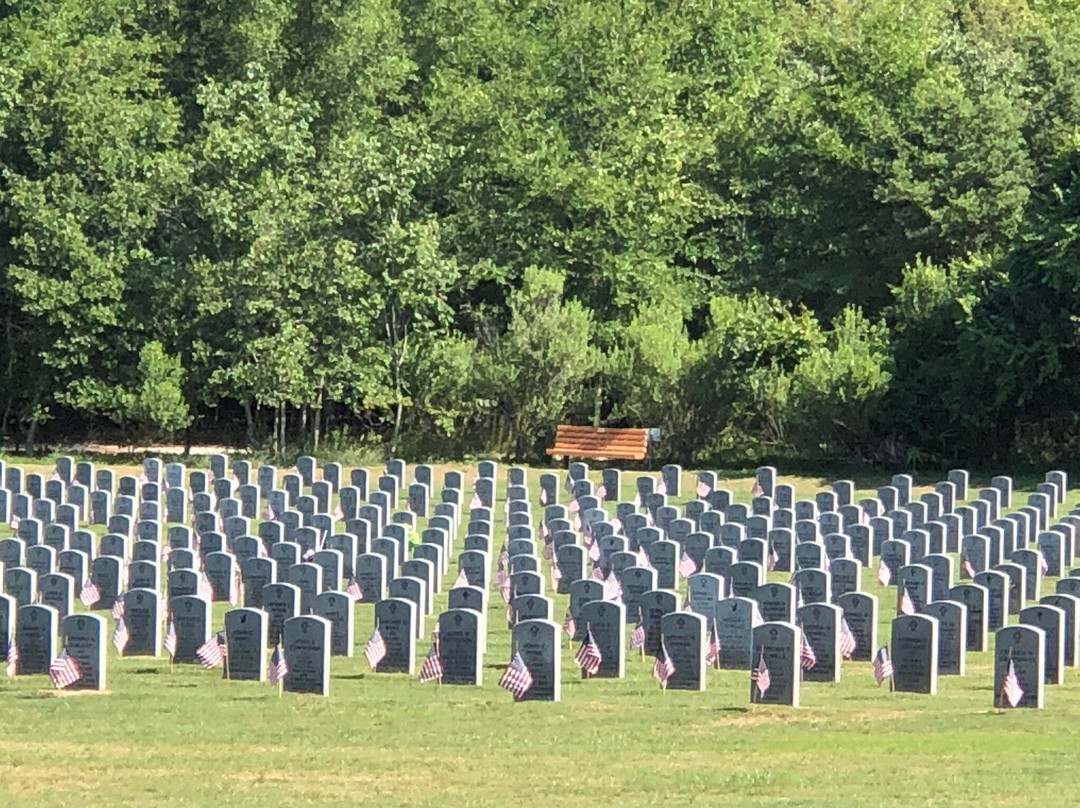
(250, 422)
(317, 419)
(280, 423)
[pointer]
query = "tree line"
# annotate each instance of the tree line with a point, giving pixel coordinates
(828, 229)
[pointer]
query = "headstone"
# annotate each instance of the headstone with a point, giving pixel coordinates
(607, 622)
(975, 598)
(459, 647)
(83, 637)
(914, 650)
(191, 618)
(307, 653)
(142, 616)
(1070, 606)
(57, 590)
(684, 636)
(337, 609)
(281, 601)
(861, 612)
(397, 621)
(776, 646)
(1024, 647)
(952, 635)
(1051, 620)
(997, 602)
(538, 643)
(735, 622)
(820, 624)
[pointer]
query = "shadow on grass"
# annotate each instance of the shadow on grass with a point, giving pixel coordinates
(353, 677)
(142, 671)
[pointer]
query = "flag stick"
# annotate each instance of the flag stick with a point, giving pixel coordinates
(438, 653)
(892, 682)
(586, 640)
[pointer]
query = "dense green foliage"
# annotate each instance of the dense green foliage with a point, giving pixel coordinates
(805, 229)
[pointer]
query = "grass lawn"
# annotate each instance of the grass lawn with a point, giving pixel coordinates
(183, 736)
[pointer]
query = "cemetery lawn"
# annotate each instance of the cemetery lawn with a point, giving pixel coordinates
(183, 736)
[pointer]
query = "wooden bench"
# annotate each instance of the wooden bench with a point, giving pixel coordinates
(602, 443)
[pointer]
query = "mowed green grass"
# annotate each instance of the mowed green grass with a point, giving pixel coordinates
(180, 735)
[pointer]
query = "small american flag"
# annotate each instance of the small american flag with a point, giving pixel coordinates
(968, 569)
(807, 657)
(601, 492)
(64, 670)
(504, 585)
(354, 590)
(687, 565)
(12, 658)
(209, 653)
(236, 588)
(573, 507)
(89, 594)
(883, 667)
(1043, 566)
(884, 574)
(757, 490)
(475, 502)
(612, 587)
(118, 607)
(712, 649)
(643, 559)
(907, 605)
(637, 500)
(703, 489)
(56, 478)
(170, 638)
(338, 512)
(543, 496)
(462, 580)
(268, 514)
(120, 636)
(205, 590)
(761, 677)
(432, 667)
(14, 521)
(663, 667)
(847, 639)
(637, 638)
(568, 484)
(594, 551)
(588, 656)
(774, 557)
(517, 678)
(597, 573)
(556, 576)
(661, 487)
(278, 666)
(1010, 686)
(375, 650)
(569, 625)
